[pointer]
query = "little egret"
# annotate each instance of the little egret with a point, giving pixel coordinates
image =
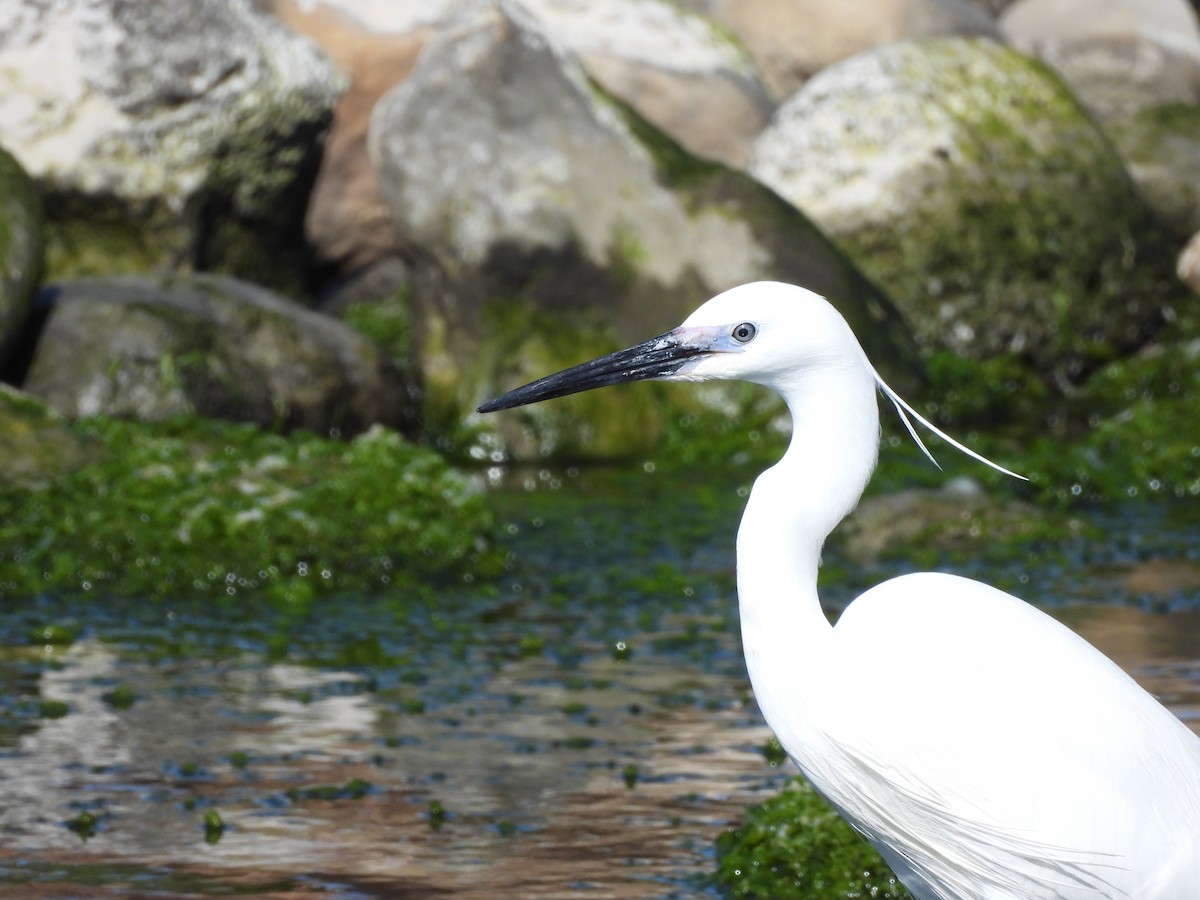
(983, 748)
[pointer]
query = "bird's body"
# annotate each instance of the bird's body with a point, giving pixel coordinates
(984, 748)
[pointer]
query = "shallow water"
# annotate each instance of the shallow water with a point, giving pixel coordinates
(583, 730)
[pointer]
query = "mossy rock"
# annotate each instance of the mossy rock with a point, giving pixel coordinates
(1161, 148)
(21, 250)
(571, 227)
(166, 147)
(155, 348)
(967, 180)
(36, 444)
(796, 847)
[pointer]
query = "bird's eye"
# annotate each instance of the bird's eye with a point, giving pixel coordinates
(745, 332)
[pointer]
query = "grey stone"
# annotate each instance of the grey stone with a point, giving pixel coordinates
(1135, 64)
(152, 349)
(536, 206)
(792, 40)
(175, 131)
(997, 226)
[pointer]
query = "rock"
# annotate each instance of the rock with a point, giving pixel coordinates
(347, 221)
(180, 132)
(942, 521)
(999, 228)
(673, 67)
(20, 251)
(793, 40)
(1135, 64)
(1188, 266)
(152, 349)
(1120, 56)
(558, 222)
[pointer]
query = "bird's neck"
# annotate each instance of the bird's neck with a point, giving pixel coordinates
(792, 508)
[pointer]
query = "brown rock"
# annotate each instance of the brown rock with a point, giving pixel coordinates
(348, 222)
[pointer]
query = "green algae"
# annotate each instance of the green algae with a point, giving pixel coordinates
(354, 789)
(795, 845)
(196, 509)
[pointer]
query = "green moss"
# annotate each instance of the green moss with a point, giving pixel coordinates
(354, 789)
(86, 823)
(1161, 146)
(626, 255)
(53, 709)
(677, 168)
(214, 826)
(1117, 438)
(526, 342)
(1135, 443)
(999, 251)
(120, 697)
(98, 236)
(21, 234)
(387, 323)
(221, 511)
(796, 846)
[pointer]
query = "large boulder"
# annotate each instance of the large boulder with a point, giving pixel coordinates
(672, 66)
(181, 131)
(792, 40)
(156, 348)
(1135, 64)
(553, 220)
(20, 251)
(998, 227)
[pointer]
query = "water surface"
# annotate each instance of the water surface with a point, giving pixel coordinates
(585, 728)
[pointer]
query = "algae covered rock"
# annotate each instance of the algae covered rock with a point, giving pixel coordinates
(157, 348)
(551, 222)
(178, 131)
(1161, 149)
(20, 250)
(36, 444)
(967, 181)
(1135, 65)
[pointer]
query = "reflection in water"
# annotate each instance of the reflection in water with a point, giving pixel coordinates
(531, 772)
(535, 792)
(493, 746)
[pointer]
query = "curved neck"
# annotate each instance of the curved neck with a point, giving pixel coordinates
(792, 509)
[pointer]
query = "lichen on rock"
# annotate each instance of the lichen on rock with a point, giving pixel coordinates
(967, 180)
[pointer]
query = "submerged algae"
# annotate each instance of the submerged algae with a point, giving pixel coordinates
(796, 846)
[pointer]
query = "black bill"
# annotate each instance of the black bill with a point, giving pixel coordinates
(656, 358)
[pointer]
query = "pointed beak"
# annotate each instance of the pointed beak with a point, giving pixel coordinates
(661, 357)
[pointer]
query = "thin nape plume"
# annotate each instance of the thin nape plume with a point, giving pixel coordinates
(904, 410)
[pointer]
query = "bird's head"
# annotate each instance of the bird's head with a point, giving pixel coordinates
(778, 335)
(766, 332)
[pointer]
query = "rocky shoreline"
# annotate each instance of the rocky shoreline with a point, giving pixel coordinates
(508, 186)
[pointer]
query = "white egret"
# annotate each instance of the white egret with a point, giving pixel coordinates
(983, 748)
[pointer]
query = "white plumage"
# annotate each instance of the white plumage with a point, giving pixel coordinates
(984, 748)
